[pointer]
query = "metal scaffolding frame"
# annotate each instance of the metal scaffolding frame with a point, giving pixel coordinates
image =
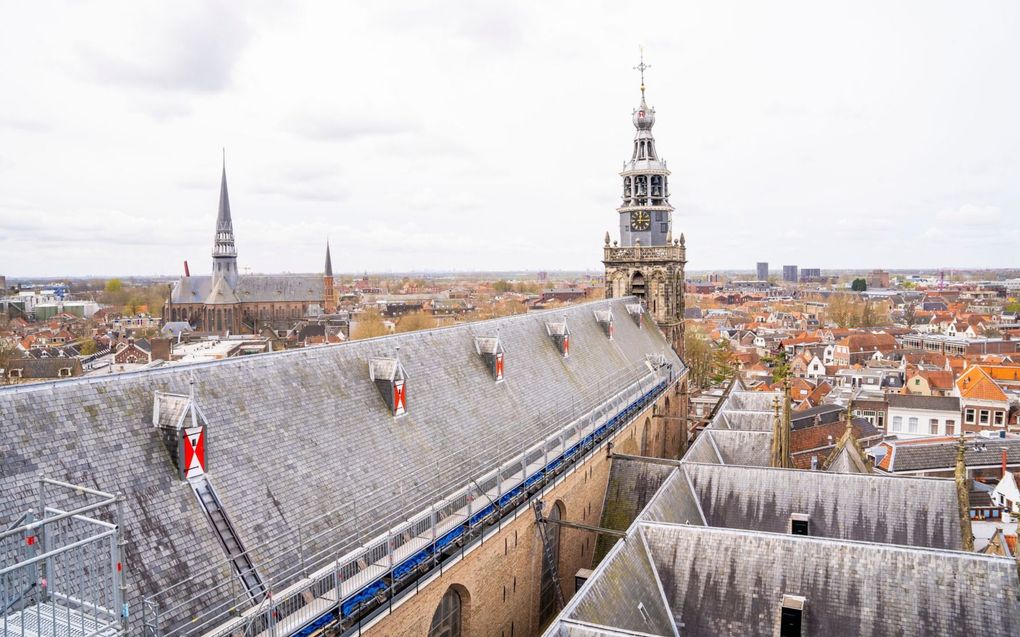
(320, 578)
(61, 573)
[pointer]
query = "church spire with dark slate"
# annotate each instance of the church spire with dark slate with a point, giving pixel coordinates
(328, 287)
(224, 251)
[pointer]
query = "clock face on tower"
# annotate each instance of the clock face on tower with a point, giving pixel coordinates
(640, 221)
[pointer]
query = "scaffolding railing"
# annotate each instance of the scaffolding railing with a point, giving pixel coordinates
(319, 573)
(61, 573)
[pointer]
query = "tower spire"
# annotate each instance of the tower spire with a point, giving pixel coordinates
(223, 244)
(641, 69)
(963, 493)
(224, 252)
(328, 287)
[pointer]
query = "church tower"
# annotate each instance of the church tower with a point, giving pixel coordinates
(328, 289)
(224, 252)
(648, 262)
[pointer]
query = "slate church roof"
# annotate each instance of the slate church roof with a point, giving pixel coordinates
(253, 288)
(863, 589)
(295, 435)
(713, 552)
(843, 506)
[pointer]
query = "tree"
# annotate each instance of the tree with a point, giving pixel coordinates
(113, 286)
(780, 366)
(722, 365)
(1012, 307)
(8, 351)
(416, 321)
(841, 310)
(132, 306)
(145, 332)
(524, 287)
(87, 347)
(502, 287)
(910, 314)
(867, 315)
(859, 285)
(698, 356)
(707, 363)
(369, 324)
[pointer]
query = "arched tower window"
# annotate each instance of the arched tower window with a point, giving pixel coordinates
(637, 285)
(547, 597)
(446, 621)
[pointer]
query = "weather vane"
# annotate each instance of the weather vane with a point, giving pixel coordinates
(641, 67)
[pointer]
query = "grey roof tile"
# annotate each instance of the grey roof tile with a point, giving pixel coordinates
(839, 505)
(295, 435)
(852, 589)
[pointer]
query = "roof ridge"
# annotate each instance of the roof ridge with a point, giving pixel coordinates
(790, 537)
(861, 476)
(241, 360)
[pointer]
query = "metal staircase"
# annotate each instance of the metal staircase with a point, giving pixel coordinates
(548, 553)
(243, 565)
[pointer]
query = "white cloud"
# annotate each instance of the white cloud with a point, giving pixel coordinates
(969, 216)
(191, 48)
(488, 136)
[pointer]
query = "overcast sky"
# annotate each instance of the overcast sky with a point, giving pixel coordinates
(485, 136)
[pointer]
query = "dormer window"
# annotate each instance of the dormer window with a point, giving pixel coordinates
(390, 379)
(605, 320)
(560, 334)
(635, 310)
(800, 524)
(490, 348)
(791, 615)
(182, 428)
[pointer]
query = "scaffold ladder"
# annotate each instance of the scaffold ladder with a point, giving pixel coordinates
(243, 565)
(548, 553)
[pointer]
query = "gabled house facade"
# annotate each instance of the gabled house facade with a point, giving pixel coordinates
(984, 404)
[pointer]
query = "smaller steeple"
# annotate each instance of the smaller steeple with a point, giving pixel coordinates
(328, 287)
(963, 494)
(781, 426)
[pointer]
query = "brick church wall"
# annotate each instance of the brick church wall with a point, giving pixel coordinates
(499, 582)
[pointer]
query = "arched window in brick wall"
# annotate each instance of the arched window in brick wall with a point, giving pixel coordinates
(446, 621)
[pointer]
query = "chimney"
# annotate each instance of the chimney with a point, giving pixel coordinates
(160, 348)
(1005, 455)
(187, 272)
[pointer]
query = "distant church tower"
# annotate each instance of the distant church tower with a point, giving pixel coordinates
(224, 251)
(328, 289)
(648, 263)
